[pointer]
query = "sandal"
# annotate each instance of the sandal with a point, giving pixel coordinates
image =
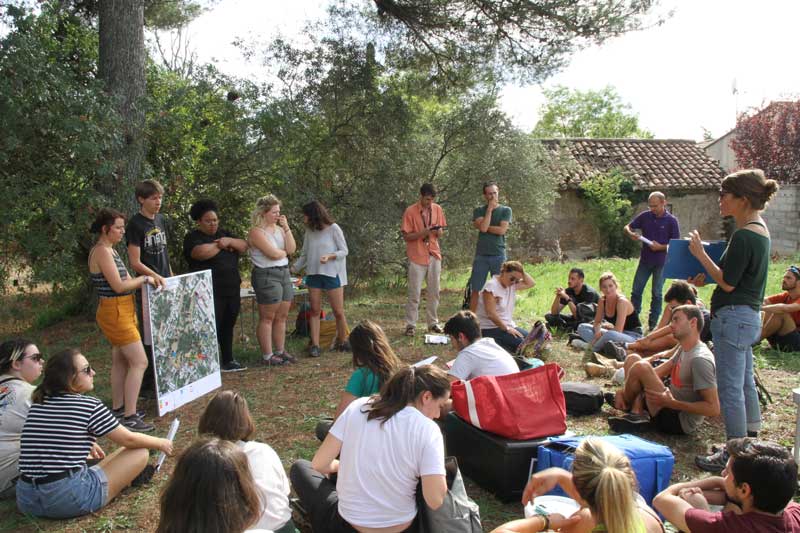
(290, 359)
(274, 360)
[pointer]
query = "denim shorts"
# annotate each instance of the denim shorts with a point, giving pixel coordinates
(82, 492)
(272, 285)
(321, 281)
(482, 266)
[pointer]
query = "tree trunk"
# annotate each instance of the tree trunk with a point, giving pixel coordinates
(122, 67)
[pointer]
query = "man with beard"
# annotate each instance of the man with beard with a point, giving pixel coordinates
(477, 356)
(577, 292)
(756, 488)
(781, 319)
(680, 408)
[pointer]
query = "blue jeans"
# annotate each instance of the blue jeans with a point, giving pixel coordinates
(482, 266)
(507, 341)
(643, 273)
(82, 492)
(734, 329)
(586, 331)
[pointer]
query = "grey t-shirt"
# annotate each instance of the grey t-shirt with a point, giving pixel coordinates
(693, 371)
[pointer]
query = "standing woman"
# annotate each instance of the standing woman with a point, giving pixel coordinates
(616, 319)
(324, 257)
(61, 433)
(116, 316)
(741, 278)
(210, 247)
(20, 366)
(271, 244)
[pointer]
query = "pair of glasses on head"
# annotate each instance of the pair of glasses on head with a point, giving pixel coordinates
(794, 270)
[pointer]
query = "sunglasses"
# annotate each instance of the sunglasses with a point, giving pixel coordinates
(35, 357)
(515, 279)
(87, 370)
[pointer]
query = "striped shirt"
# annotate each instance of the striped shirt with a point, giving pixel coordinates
(100, 282)
(59, 433)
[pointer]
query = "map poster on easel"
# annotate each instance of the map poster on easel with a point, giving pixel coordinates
(179, 324)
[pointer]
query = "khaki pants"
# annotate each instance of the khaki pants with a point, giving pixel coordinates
(417, 273)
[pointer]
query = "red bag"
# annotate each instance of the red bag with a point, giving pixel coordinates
(521, 406)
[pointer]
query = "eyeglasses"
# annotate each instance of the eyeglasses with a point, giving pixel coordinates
(35, 357)
(87, 370)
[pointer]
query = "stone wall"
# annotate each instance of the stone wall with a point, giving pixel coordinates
(694, 210)
(783, 219)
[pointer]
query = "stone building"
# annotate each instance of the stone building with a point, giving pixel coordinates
(678, 168)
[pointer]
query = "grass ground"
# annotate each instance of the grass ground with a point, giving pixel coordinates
(287, 402)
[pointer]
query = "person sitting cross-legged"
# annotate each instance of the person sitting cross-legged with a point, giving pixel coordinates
(615, 319)
(476, 356)
(756, 488)
(692, 393)
(576, 293)
(781, 317)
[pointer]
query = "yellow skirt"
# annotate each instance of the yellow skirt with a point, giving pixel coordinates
(117, 319)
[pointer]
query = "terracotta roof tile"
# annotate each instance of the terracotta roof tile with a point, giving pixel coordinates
(650, 163)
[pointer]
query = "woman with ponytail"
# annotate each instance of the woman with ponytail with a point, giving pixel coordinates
(741, 278)
(385, 445)
(602, 481)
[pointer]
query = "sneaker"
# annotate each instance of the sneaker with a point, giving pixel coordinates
(612, 349)
(343, 346)
(436, 328)
(314, 351)
(593, 370)
(580, 344)
(629, 423)
(233, 366)
(573, 337)
(119, 413)
(410, 330)
(714, 463)
(286, 357)
(134, 423)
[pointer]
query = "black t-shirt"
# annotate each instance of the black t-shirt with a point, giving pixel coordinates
(224, 266)
(151, 238)
(588, 295)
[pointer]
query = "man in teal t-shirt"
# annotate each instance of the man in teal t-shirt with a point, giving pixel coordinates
(491, 221)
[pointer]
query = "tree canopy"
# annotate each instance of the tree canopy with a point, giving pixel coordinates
(587, 114)
(769, 139)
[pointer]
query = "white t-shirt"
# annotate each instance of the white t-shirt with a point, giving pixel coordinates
(483, 358)
(380, 464)
(15, 401)
(505, 299)
(260, 260)
(272, 483)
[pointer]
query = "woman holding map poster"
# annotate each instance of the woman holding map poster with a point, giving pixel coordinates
(116, 316)
(271, 243)
(209, 247)
(324, 257)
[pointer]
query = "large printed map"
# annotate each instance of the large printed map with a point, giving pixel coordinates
(179, 320)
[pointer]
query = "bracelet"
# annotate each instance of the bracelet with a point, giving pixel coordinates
(546, 522)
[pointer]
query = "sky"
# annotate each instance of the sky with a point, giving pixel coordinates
(679, 77)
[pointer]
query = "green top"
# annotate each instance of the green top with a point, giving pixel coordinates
(489, 243)
(363, 382)
(744, 265)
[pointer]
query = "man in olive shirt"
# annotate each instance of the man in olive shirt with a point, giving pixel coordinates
(491, 221)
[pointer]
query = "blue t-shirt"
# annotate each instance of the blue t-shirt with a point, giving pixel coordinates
(363, 382)
(657, 229)
(489, 243)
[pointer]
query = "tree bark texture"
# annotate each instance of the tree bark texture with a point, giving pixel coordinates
(122, 68)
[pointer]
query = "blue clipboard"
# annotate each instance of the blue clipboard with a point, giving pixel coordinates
(681, 264)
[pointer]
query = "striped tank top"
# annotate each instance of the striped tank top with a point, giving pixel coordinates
(100, 282)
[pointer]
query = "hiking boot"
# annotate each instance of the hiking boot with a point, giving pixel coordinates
(714, 463)
(608, 362)
(410, 331)
(233, 366)
(436, 328)
(134, 423)
(314, 351)
(612, 349)
(629, 423)
(594, 370)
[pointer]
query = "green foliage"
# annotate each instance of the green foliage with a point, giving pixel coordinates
(608, 199)
(587, 114)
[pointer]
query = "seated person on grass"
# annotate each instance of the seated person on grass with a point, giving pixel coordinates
(781, 319)
(692, 393)
(476, 356)
(577, 292)
(756, 488)
(661, 338)
(615, 319)
(496, 305)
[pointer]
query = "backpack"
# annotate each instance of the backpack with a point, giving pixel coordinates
(537, 341)
(303, 316)
(582, 398)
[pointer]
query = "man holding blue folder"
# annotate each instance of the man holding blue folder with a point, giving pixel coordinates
(657, 226)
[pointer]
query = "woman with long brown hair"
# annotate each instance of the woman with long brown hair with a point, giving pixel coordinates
(386, 444)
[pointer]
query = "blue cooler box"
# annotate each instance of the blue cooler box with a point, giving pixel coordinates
(651, 462)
